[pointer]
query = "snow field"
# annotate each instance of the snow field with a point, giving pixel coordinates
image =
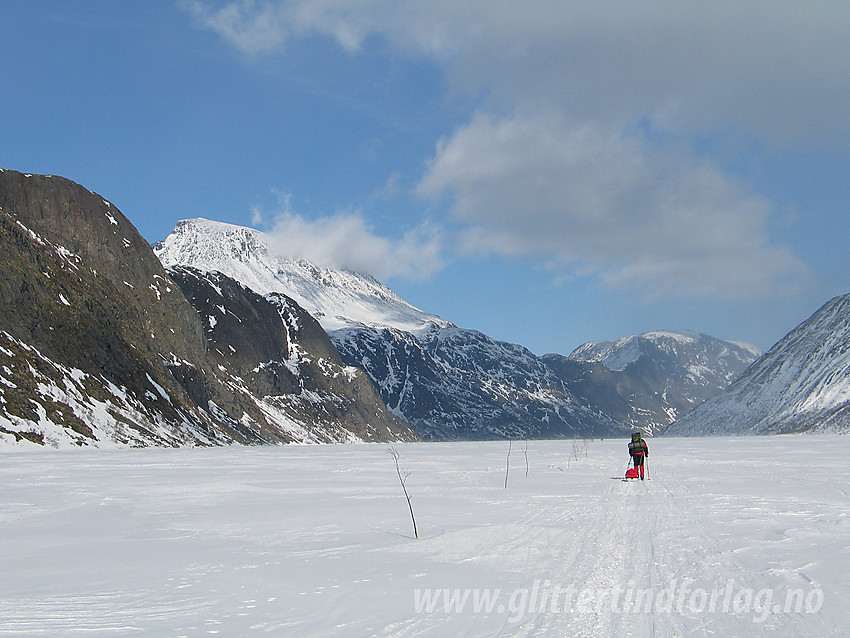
(317, 540)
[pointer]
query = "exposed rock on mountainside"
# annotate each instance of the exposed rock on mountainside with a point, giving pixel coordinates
(648, 381)
(99, 346)
(802, 384)
(273, 350)
(452, 383)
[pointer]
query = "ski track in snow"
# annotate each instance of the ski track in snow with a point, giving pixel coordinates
(317, 540)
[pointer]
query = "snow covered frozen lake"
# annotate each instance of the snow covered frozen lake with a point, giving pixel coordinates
(730, 537)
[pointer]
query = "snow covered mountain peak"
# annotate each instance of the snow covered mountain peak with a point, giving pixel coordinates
(337, 298)
(617, 355)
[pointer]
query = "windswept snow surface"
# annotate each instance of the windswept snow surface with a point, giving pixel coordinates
(317, 540)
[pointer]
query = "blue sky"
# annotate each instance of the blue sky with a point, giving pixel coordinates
(549, 173)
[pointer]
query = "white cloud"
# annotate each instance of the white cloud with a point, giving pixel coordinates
(347, 241)
(779, 71)
(605, 203)
(252, 27)
(258, 26)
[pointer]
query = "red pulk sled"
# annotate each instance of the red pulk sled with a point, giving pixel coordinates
(633, 472)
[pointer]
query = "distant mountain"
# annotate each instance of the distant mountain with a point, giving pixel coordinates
(647, 381)
(448, 382)
(100, 346)
(452, 383)
(802, 384)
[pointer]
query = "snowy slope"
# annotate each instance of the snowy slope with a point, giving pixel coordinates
(337, 298)
(801, 384)
(67, 407)
(275, 354)
(317, 541)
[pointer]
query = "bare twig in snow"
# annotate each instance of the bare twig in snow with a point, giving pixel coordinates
(402, 477)
(525, 451)
(508, 462)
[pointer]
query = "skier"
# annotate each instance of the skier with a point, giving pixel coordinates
(638, 449)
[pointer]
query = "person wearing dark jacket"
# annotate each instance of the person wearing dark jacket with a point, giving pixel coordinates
(639, 450)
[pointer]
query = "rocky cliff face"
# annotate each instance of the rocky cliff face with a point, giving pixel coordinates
(99, 346)
(452, 383)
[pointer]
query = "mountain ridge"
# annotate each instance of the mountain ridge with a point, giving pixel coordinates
(210, 337)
